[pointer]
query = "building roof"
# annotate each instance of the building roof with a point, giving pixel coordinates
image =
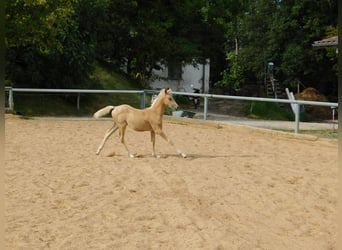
(328, 42)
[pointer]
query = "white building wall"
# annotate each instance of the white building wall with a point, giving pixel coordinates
(191, 75)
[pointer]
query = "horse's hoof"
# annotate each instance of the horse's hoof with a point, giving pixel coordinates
(156, 156)
(111, 154)
(183, 155)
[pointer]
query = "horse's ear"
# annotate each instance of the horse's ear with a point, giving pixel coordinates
(168, 91)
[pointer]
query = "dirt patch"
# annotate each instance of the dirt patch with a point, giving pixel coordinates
(239, 188)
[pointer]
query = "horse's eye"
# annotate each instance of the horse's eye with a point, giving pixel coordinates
(170, 99)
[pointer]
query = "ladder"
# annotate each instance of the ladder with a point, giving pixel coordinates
(274, 89)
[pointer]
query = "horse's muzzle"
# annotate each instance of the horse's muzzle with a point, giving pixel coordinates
(175, 106)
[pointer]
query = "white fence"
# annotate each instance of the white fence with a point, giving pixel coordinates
(294, 103)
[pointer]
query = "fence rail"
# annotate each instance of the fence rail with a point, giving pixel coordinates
(143, 93)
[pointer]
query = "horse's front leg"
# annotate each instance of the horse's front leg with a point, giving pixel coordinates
(108, 133)
(162, 134)
(153, 140)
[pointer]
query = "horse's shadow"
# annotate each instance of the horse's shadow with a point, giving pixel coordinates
(208, 156)
(188, 157)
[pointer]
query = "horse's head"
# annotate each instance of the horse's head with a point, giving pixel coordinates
(168, 99)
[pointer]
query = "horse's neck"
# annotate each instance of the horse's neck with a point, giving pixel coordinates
(158, 107)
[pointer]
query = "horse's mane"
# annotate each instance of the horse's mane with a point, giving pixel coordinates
(154, 99)
(161, 93)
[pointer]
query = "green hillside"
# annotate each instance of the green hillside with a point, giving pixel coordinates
(42, 104)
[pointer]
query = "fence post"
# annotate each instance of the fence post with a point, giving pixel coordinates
(143, 100)
(78, 101)
(297, 113)
(10, 98)
(333, 117)
(205, 112)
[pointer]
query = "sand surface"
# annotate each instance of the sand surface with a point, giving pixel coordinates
(239, 188)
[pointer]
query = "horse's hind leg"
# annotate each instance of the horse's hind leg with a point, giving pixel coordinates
(153, 140)
(108, 133)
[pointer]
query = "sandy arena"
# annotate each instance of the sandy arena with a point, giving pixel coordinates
(239, 188)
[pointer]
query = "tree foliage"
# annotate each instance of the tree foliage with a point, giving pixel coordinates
(50, 43)
(55, 43)
(281, 32)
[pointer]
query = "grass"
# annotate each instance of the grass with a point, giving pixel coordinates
(268, 111)
(320, 133)
(110, 79)
(43, 104)
(271, 111)
(104, 77)
(34, 104)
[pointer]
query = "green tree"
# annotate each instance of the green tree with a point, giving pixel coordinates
(49, 43)
(296, 26)
(281, 32)
(139, 34)
(54, 43)
(287, 30)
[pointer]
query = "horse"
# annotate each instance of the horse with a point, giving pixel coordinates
(148, 119)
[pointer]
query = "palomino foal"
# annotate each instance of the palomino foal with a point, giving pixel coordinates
(149, 119)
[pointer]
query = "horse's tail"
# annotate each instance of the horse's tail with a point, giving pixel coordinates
(103, 111)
